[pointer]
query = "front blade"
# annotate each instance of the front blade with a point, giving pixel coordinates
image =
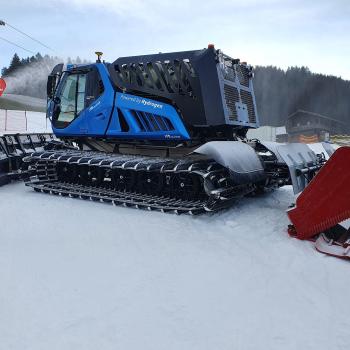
(326, 200)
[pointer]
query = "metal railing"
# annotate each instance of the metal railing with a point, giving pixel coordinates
(13, 121)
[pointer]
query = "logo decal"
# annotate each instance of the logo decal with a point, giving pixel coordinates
(142, 101)
(168, 136)
(94, 105)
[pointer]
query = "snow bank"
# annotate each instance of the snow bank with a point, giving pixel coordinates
(84, 275)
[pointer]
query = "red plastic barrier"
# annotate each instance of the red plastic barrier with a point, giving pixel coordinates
(326, 200)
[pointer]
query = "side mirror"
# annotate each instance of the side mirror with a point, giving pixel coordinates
(51, 86)
(53, 79)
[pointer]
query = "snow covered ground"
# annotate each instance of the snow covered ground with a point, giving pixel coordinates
(84, 275)
(26, 100)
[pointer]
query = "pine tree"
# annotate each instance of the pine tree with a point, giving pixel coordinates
(4, 71)
(15, 63)
(38, 57)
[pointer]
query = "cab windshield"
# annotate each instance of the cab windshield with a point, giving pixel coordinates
(72, 97)
(75, 92)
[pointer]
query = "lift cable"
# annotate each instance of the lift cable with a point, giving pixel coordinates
(27, 35)
(12, 43)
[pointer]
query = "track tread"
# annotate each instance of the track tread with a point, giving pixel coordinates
(200, 185)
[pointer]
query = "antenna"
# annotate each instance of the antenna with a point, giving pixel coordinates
(99, 55)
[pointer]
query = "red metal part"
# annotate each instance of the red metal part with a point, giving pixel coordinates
(325, 202)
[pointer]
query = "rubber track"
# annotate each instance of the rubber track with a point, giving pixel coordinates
(43, 177)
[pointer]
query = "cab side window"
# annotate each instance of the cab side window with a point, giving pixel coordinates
(94, 87)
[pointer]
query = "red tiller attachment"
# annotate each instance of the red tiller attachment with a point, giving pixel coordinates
(325, 202)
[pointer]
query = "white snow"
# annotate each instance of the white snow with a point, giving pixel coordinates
(85, 275)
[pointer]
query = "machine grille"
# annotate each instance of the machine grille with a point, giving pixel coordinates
(243, 75)
(149, 122)
(248, 100)
(231, 97)
(171, 76)
(229, 73)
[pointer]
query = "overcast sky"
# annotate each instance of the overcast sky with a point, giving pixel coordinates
(273, 32)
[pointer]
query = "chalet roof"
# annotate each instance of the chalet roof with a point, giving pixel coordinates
(315, 115)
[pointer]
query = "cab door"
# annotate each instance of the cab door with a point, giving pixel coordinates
(83, 104)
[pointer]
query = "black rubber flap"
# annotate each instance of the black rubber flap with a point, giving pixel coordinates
(241, 159)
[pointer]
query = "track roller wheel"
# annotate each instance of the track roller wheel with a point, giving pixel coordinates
(149, 182)
(67, 172)
(123, 180)
(89, 175)
(185, 185)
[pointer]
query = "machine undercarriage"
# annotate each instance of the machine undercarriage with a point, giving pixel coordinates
(174, 180)
(181, 186)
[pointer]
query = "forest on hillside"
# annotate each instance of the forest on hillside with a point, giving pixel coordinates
(281, 92)
(28, 76)
(278, 92)
(18, 63)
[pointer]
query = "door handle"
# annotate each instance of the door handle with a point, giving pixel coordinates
(101, 116)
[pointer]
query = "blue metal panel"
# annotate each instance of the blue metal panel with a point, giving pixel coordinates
(131, 105)
(100, 119)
